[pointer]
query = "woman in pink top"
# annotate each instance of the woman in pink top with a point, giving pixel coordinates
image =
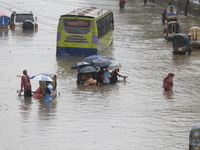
(26, 84)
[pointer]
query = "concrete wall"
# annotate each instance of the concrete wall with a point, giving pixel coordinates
(181, 6)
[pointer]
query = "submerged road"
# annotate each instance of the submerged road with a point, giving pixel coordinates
(135, 114)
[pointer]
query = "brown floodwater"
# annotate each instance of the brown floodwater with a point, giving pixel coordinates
(133, 114)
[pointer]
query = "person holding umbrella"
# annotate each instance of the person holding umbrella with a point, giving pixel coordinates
(99, 76)
(114, 75)
(85, 75)
(26, 84)
(47, 86)
(115, 66)
(88, 79)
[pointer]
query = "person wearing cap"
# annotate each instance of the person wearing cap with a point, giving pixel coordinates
(168, 82)
(26, 84)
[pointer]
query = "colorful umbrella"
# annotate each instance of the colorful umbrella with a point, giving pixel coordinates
(114, 65)
(87, 69)
(41, 78)
(101, 62)
(79, 65)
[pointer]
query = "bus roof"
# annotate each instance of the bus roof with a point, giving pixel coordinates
(91, 12)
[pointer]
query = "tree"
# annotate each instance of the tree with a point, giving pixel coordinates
(171, 2)
(186, 7)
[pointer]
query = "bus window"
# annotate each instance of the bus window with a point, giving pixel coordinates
(105, 24)
(77, 23)
(77, 26)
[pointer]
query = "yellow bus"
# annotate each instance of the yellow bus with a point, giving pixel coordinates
(84, 32)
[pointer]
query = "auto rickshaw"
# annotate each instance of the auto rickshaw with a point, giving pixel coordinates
(181, 43)
(194, 33)
(170, 13)
(194, 138)
(171, 29)
(4, 22)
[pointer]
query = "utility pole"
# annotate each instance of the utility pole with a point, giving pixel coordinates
(186, 7)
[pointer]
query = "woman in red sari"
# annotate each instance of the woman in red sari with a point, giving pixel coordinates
(168, 82)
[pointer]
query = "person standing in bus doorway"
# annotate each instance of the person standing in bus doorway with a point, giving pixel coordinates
(122, 4)
(26, 84)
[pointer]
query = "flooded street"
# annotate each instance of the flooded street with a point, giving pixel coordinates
(133, 114)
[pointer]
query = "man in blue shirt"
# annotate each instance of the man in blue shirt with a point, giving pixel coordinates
(48, 91)
(106, 75)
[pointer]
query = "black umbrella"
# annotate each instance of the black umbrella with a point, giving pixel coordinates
(79, 65)
(101, 62)
(92, 57)
(108, 57)
(87, 69)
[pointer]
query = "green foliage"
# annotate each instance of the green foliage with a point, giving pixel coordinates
(171, 2)
(197, 7)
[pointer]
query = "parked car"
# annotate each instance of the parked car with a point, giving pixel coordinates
(25, 20)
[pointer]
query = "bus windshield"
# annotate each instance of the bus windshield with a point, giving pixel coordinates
(77, 26)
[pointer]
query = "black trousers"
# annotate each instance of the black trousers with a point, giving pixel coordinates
(27, 93)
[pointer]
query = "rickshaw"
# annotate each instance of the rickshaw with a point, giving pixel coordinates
(194, 138)
(4, 22)
(170, 13)
(171, 29)
(181, 43)
(43, 84)
(194, 33)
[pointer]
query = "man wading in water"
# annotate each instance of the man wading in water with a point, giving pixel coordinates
(26, 84)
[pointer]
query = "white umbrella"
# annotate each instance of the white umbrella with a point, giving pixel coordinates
(41, 78)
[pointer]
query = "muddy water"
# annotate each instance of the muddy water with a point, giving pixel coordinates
(133, 114)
